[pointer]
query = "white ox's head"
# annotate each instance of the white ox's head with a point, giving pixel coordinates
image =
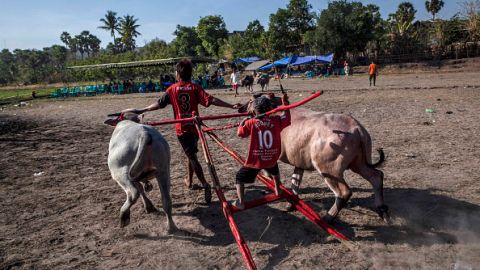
(115, 118)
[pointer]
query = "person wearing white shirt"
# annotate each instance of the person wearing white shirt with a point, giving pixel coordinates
(235, 80)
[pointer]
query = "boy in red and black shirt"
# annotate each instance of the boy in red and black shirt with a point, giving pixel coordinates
(184, 96)
(265, 145)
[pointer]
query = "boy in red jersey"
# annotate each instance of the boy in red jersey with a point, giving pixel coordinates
(184, 96)
(265, 145)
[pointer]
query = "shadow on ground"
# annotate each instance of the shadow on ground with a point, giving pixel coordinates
(420, 218)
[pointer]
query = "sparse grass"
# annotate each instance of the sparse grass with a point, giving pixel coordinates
(16, 95)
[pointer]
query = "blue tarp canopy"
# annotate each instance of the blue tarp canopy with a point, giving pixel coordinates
(325, 58)
(300, 60)
(246, 60)
(282, 62)
(303, 60)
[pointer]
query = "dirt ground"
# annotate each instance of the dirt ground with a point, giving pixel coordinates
(59, 207)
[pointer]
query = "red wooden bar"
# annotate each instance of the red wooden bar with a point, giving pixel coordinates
(254, 203)
(229, 210)
(206, 129)
(242, 245)
(283, 108)
(300, 205)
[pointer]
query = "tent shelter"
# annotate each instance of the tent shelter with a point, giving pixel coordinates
(281, 62)
(300, 60)
(246, 60)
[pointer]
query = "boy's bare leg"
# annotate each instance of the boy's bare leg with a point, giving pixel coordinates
(189, 177)
(199, 172)
(276, 179)
(240, 193)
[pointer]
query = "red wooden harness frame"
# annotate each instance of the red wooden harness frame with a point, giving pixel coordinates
(229, 210)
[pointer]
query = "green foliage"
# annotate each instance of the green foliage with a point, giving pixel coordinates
(403, 34)
(287, 27)
(301, 19)
(82, 43)
(232, 47)
(156, 49)
(279, 37)
(345, 27)
(470, 11)
(7, 67)
(212, 31)
(253, 40)
(187, 42)
(401, 21)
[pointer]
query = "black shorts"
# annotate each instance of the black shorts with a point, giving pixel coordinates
(189, 142)
(247, 175)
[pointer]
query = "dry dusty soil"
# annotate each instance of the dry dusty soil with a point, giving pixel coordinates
(59, 207)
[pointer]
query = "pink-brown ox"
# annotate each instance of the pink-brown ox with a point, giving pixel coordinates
(330, 144)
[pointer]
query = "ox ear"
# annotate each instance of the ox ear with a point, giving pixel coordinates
(111, 122)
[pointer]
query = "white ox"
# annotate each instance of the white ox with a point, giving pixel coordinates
(136, 154)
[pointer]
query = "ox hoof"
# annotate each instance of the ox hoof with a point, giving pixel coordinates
(384, 213)
(328, 218)
(124, 220)
(151, 209)
(148, 186)
(172, 229)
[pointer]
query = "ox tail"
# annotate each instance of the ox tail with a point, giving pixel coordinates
(366, 142)
(380, 160)
(144, 140)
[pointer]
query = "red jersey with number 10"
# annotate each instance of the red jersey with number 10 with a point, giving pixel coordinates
(185, 97)
(265, 142)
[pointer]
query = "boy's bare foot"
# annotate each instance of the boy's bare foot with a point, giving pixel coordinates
(238, 205)
(188, 183)
(278, 191)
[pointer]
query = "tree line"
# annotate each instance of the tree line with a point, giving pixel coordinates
(347, 28)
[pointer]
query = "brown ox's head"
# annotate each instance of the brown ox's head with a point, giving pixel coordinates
(115, 118)
(249, 105)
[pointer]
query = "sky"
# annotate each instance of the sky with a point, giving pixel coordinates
(35, 24)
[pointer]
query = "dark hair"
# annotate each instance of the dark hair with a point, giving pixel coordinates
(184, 69)
(262, 104)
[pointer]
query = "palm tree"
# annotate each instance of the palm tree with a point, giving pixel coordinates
(403, 18)
(71, 43)
(434, 6)
(110, 23)
(128, 30)
(93, 43)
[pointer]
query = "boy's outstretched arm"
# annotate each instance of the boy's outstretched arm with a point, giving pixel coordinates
(220, 103)
(152, 107)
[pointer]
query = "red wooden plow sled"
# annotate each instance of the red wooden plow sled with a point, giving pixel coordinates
(229, 210)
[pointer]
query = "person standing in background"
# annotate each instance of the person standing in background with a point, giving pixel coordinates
(235, 80)
(372, 73)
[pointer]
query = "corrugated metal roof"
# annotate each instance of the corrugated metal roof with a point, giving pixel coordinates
(146, 63)
(256, 65)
